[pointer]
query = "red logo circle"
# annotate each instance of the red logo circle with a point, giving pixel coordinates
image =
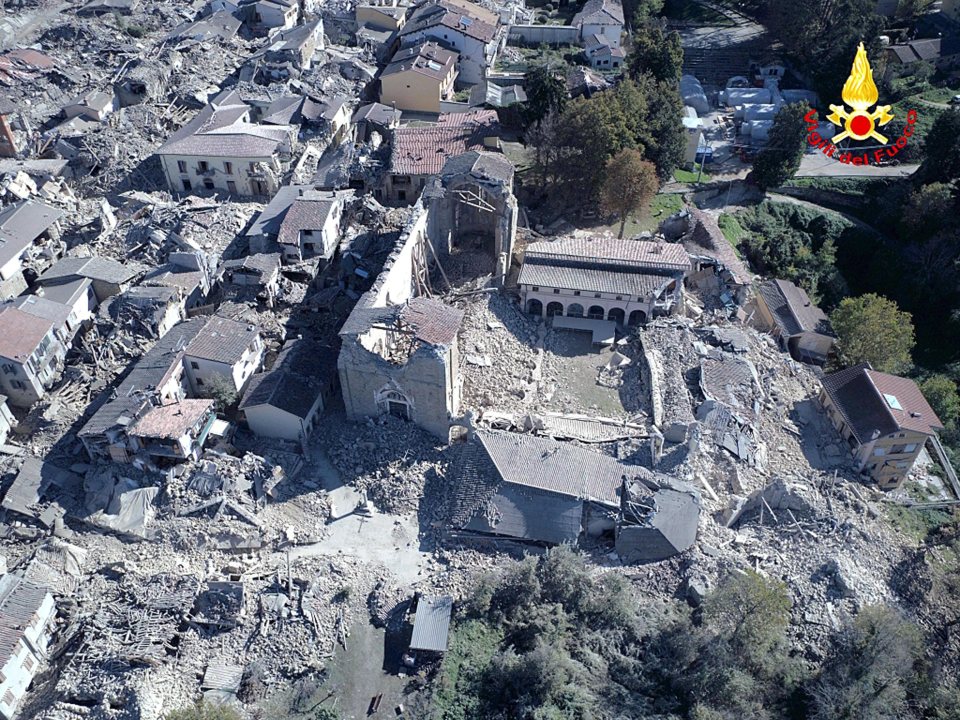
(860, 125)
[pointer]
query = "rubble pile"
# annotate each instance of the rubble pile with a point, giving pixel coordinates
(397, 464)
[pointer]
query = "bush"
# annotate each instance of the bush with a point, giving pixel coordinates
(203, 710)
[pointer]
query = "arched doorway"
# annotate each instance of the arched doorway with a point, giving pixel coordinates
(535, 307)
(554, 308)
(637, 317)
(393, 402)
(575, 310)
(595, 312)
(616, 315)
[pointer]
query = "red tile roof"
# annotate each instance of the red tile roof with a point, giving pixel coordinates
(20, 333)
(171, 422)
(423, 151)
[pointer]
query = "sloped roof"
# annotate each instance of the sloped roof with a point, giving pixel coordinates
(301, 372)
(792, 309)
(554, 466)
(427, 59)
(432, 321)
(454, 17)
(599, 12)
(494, 166)
(875, 404)
(706, 238)
(94, 268)
(424, 151)
(20, 600)
(20, 333)
(222, 340)
(309, 211)
(25, 221)
(377, 113)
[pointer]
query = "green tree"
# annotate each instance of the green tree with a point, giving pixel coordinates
(928, 210)
(780, 159)
(629, 184)
(942, 146)
(656, 53)
(872, 329)
(941, 392)
(203, 710)
(222, 390)
(870, 669)
(638, 12)
(546, 93)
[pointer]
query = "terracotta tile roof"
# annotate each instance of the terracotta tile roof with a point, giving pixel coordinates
(428, 59)
(172, 421)
(423, 151)
(453, 17)
(20, 333)
(432, 321)
(20, 601)
(875, 404)
(639, 254)
(222, 340)
(309, 212)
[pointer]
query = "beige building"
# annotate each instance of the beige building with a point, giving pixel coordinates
(884, 418)
(224, 349)
(785, 311)
(220, 149)
(31, 356)
(418, 78)
(381, 17)
(623, 281)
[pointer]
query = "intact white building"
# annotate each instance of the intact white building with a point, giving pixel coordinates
(230, 349)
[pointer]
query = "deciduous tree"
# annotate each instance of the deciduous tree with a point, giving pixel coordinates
(941, 392)
(629, 184)
(780, 159)
(942, 145)
(872, 329)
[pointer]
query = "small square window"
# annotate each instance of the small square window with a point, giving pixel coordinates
(535, 288)
(556, 291)
(596, 295)
(619, 297)
(576, 292)
(228, 168)
(194, 365)
(187, 186)
(182, 165)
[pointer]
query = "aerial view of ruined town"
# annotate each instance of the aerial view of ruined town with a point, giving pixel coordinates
(480, 359)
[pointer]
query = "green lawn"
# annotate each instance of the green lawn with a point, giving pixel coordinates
(472, 645)
(648, 219)
(732, 230)
(690, 176)
(916, 523)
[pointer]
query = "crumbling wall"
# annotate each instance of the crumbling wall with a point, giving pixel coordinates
(396, 283)
(651, 374)
(422, 380)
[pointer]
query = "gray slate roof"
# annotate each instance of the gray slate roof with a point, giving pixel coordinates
(298, 377)
(94, 268)
(792, 309)
(20, 600)
(495, 166)
(21, 224)
(222, 340)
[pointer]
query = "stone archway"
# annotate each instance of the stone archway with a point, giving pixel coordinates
(534, 307)
(637, 317)
(616, 315)
(391, 401)
(574, 310)
(554, 308)
(595, 312)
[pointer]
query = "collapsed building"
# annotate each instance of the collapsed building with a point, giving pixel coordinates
(538, 490)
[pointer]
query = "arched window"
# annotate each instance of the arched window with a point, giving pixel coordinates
(535, 307)
(595, 312)
(637, 317)
(575, 310)
(616, 315)
(554, 308)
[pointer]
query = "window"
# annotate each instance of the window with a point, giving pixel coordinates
(879, 451)
(208, 183)
(596, 295)
(910, 448)
(18, 384)
(28, 663)
(402, 195)
(308, 233)
(619, 297)
(556, 291)
(535, 288)
(231, 187)
(182, 166)
(187, 186)
(576, 292)
(203, 166)
(9, 369)
(228, 168)
(194, 365)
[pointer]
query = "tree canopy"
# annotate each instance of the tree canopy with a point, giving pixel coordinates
(629, 184)
(872, 329)
(781, 157)
(942, 143)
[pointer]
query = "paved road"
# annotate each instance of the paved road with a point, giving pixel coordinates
(819, 165)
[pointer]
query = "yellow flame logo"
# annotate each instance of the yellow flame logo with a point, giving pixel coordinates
(860, 92)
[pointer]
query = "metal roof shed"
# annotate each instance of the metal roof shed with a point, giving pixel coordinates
(431, 626)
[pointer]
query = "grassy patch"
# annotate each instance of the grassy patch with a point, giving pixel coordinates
(925, 114)
(647, 220)
(917, 523)
(844, 186)
(733, 231)
(472, 645)
(690, 176)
